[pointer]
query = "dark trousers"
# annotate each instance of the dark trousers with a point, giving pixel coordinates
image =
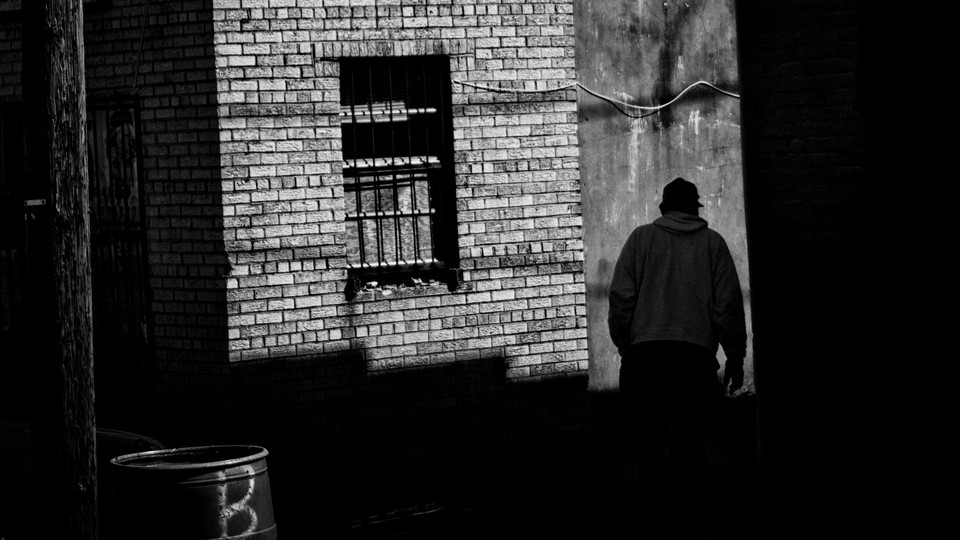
(669, 389)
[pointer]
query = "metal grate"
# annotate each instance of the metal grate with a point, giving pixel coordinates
(397, 170)
(117, 237)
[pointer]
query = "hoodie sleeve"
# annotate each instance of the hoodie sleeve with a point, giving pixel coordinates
(728, 312)
(623, 295)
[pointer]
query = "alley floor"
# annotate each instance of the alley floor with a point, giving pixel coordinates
(579, 490)
(567, 487)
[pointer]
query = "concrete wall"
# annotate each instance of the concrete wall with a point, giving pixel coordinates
(646, 53)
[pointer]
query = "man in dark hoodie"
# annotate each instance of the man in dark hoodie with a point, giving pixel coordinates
(674, 298)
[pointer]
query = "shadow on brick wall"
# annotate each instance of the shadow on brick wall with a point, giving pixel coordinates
(175, 382)
(349, 445)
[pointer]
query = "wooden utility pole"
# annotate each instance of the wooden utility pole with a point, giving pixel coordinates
(63, 432)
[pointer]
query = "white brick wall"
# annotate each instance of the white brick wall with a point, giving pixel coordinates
(517, 182)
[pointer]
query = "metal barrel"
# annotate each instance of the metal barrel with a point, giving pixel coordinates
(194, 493)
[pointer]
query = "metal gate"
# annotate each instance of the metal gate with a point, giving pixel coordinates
(117, 232)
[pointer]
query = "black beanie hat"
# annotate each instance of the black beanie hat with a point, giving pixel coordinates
(680, 195)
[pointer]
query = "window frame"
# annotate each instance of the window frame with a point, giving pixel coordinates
(388, 170)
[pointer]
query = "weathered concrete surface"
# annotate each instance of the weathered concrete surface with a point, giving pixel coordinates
(647, 52)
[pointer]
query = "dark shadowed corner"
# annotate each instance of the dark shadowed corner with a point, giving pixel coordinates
(412, 451)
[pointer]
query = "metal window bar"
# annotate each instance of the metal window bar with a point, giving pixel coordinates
(397, 109)
(376, 178)
(353, 131)
(437, 189)
(432, 181)
(416, 227)
(397, 249)
(413, 188)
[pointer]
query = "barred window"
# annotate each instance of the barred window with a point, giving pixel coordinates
(397, 170)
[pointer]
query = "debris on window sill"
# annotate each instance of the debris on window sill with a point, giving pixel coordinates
(359, 289)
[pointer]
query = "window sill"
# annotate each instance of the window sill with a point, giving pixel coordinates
(388, 284)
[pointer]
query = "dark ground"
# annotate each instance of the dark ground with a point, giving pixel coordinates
(572, 486)
(578, 490)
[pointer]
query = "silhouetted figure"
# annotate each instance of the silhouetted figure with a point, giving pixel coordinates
(674, 298)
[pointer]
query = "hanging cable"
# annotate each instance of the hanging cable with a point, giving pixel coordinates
(515, 90)
(615, 102)
(143, 31)
(665, 105)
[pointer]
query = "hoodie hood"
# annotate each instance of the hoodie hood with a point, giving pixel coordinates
(680, 223)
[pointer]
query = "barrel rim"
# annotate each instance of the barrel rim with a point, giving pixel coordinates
(129, 461)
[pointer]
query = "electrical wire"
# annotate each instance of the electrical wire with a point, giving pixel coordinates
(665, 105)
(143, 31)
(615, 102)
(515, 90)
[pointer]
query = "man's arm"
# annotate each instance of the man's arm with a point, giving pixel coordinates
(623, 296)
(729, 317)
